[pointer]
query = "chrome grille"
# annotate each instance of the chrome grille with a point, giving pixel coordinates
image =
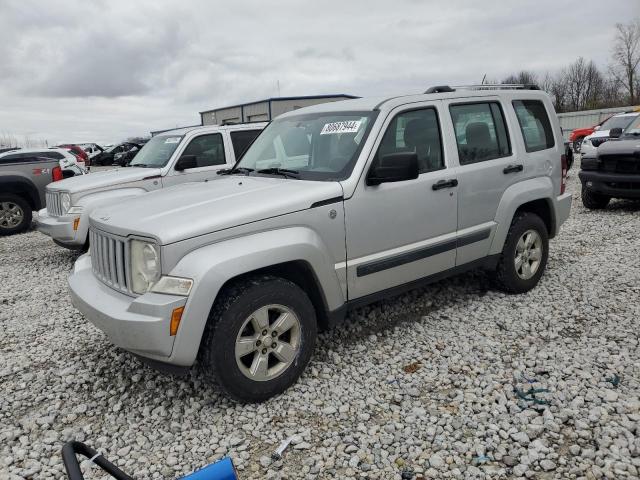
(54, 207)
(109, 260)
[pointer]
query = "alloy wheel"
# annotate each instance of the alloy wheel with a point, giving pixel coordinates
(528, 254)
(268, 342)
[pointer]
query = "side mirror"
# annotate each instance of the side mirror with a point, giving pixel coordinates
(186, 162)
(615, 133)
(393, 167)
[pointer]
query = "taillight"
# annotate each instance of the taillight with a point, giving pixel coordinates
(563, 180)
(56, 173)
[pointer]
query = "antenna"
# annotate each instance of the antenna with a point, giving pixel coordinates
(278, 83)
(483, 79)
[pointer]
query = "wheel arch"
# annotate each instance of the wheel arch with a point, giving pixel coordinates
(23, 188)
(535, 196)
(296, 254)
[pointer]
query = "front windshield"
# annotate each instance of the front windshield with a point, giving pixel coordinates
(617, 122)
(156, 152)
(319, 146)
(634, 128)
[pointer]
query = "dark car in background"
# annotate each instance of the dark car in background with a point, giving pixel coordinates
(108, 156)
(124, 159)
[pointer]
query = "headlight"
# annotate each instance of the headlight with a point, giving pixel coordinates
(65, 202)
(173, 286)
(145, 265)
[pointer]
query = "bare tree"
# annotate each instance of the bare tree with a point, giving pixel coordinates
(626, 57)
(523, 77)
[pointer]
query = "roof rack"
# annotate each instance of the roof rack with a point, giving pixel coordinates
(484, 86)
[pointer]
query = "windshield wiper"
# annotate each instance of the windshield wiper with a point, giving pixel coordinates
(285, 172)
(143, 165)
(231, 171)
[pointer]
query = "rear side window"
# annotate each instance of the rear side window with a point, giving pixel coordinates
(415, 131)
(241, 139)
(208, 149)
(534, 124)
(53, 155)
(481, 132)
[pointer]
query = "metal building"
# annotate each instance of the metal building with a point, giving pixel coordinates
(587, 118)
(264, 110)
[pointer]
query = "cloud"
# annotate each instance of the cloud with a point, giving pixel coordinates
(75, 70)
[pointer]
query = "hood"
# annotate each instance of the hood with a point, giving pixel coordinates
(191, 209)
(626, 147)
(103, 180)
(598, 134)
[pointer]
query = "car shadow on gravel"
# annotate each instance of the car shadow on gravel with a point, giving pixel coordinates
(407, 307)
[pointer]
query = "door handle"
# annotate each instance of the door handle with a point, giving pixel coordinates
(445, 184)
(513, 169)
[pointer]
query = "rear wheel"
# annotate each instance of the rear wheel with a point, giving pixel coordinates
(259, 338)
(524, 255)
(593, 200)
(15, 214)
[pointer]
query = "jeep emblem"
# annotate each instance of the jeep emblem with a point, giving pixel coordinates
(332, 214)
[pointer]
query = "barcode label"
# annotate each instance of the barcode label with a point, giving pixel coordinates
(351, 126)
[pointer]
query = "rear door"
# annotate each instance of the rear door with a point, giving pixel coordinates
(488, 165)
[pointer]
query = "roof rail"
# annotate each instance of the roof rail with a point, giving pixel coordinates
(500, 86)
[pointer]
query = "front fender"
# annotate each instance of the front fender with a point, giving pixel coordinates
(513, 197)
(213, 265)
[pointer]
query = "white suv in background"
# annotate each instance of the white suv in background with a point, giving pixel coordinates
(597, 138)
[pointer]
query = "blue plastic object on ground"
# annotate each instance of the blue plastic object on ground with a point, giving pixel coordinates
(222, 470)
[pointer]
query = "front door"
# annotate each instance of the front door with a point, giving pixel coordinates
(403, 231)
(209, 150)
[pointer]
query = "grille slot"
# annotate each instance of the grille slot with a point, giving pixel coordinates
(54, 207)
(109, 260)
(620, 164)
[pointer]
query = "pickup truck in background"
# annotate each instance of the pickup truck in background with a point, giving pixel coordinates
(193, 154)
(22, 189)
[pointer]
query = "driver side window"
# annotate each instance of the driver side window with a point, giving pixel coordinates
(208, 150)
(415, 131)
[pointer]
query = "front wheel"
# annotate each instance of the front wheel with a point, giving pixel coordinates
(593, 200)
(15, 214)
(524, 255)
(259, 338)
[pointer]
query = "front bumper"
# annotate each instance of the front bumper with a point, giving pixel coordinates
(138, 324)
(60, 229)
(615, 185)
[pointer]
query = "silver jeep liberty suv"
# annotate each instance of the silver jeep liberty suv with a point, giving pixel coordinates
(331, 207)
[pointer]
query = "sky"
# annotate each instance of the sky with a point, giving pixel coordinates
(102, 71)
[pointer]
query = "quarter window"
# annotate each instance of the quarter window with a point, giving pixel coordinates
(415, 131)
(481, 132)
(534, 124)
(208, 150)
(241, 139)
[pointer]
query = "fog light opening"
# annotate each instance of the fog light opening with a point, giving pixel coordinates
(176, 316)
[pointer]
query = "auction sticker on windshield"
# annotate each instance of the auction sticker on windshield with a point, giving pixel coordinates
(172, 140)
(350, 126)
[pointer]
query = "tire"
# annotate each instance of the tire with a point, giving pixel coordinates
(15, 214)
(235, 314)
(511, 278)
(593, 200)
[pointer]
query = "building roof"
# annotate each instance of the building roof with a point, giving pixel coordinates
(275, 99)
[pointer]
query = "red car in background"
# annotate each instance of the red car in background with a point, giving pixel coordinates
(577, 135)
(78, 152)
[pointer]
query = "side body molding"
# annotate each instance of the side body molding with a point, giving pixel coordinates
(515, 196)
(213, 265)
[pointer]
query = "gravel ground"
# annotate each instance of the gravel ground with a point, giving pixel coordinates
(424, 385)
